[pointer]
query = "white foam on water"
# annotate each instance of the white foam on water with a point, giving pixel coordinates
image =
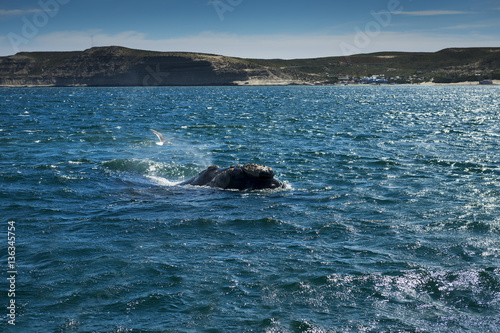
(162, 181)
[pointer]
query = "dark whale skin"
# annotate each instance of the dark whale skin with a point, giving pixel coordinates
(247, 177)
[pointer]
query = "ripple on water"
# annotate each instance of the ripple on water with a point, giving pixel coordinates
(389, 223)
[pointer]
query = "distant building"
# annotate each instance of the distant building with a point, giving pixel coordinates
(486, 81)
(374, 79)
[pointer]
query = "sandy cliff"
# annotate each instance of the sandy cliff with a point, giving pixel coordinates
(118, 66)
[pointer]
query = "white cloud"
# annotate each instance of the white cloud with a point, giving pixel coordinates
(433, 12)
(469, 26)
(19, 12)
(258, 46)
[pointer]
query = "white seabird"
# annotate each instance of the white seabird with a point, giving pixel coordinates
(162, 139)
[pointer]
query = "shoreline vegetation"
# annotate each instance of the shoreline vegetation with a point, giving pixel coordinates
(119, 66)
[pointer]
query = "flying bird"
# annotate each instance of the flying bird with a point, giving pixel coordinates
(162, 139)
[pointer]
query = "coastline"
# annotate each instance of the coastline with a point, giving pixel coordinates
(464, 83)
(254, 82)
(113, 66)
(264, 83)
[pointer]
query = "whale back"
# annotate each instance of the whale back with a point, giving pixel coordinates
(247, 177)
(204, 177)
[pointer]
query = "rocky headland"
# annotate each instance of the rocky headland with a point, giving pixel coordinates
(120, 66)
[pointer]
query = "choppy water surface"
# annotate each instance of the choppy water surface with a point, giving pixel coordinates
(390, 222)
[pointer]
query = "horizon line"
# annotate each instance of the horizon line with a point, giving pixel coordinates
(237, 57)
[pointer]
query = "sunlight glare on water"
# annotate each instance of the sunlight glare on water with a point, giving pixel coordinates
(390, 220)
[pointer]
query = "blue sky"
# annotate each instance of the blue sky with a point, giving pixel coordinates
(250, 28)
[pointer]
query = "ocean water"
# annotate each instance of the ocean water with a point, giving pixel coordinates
(390, 221)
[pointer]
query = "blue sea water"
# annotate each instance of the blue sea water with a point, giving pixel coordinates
(390, 221)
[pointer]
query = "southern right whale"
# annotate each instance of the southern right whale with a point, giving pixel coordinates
(250, 176)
